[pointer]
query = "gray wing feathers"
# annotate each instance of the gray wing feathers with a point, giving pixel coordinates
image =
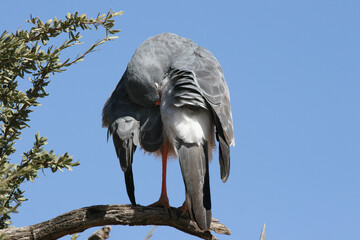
(206, 73)
(203, 77)
(210, 78)
(194, 165)
(185, 91)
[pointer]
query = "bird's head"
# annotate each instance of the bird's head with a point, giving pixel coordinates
(143, 88)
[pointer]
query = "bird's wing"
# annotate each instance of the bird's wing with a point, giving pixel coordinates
(131, 125)
(206, 75)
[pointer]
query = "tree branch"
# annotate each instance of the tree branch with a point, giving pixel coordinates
(100, 215)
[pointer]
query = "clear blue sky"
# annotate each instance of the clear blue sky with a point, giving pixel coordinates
(293, 70)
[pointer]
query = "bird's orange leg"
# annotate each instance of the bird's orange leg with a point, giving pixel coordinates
(163, 200)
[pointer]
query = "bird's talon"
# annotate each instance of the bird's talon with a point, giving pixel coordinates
(163, 202)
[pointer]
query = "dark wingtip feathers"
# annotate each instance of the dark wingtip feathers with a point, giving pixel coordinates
(224, 159)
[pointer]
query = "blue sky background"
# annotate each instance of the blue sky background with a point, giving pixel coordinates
(293, 69)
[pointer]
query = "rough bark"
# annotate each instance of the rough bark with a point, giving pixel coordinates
(100, 215)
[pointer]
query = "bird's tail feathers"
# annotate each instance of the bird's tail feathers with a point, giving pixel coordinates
(125, 133)
(194, 163)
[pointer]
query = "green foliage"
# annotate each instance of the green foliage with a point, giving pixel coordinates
(26, 54)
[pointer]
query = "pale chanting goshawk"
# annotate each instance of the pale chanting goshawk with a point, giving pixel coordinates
(172, 100)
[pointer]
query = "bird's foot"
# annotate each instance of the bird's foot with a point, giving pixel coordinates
(162, 202)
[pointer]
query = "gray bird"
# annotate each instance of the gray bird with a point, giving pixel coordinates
(172, 100)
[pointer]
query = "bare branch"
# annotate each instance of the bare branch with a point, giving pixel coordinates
(81, 219)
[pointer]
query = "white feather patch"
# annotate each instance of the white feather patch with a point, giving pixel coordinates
(187, 125)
